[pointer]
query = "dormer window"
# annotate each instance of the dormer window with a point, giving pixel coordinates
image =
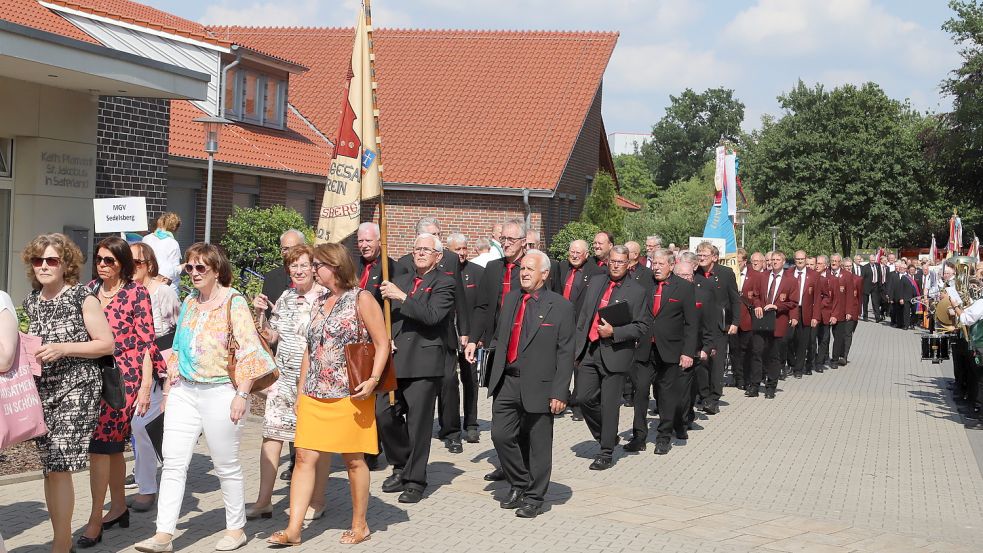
(256, 97)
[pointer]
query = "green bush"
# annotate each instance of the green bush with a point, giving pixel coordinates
(574, 230)
(601, 208)
(252, 238)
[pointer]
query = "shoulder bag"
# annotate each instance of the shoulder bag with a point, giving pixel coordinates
(360, 359)
(232, 346)
(21, 414)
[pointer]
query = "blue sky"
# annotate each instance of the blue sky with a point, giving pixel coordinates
(759, 48)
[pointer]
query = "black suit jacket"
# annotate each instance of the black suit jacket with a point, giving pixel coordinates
(275, 283)
(579, 283)
(868, 275)
(643, 275)
(708, 313)
(485, 313)
(676, 327)
(423, 326)
(905, 290)
(728, 298)
(471, 276)
(545, 359)
(375, 276)
(449, 265)
(618, 351)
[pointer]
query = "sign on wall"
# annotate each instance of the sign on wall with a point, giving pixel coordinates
(120, 214)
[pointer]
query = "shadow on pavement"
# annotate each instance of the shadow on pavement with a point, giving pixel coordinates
(937, 395)
(29, 514)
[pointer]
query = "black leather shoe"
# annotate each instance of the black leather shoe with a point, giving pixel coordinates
(85, 542)
(662, 447)
(751, 393)
(513, 500)
(287, 474)
(577, 414)
(471, 436)
(496, 475)
(634, 445)
(973, 424)
(410, 495)
(819, 370)
(694, 426)
(601, 463)
(454, 446)
(769, 395)
(684, 435)
(711, 408)
(123, 520)
(394, 483)
(841, 361)
(528, 511)
(796, 375)
(808, 372)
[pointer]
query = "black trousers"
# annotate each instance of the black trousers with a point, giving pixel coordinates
(962, 365)
(701, 376)
(745, 354)
(700, 371)
(406, 427)
(674, 385)
(449, 399)
(851, 328)
(523, 441)
(804, 344)
(901, 315)
(770, 368)
(599, 393)
(717, 366)
(839, 340)
(822, 341)
(864, 298)
(642, 376)
(875, 302)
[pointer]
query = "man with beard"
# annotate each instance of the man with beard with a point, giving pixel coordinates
(606, 352)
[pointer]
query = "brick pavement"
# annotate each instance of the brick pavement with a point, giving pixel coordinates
(866, 458)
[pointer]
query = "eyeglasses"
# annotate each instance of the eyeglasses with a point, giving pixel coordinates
(317, 265)
(37, 262)
(139, 262)
(617, 262)
(800, 259)
(509, 239)
(200, 269)
(108, 261)
(424, 251)
(300, 266)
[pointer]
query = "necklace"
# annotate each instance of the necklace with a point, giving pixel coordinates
(112, 292)
(216, 293)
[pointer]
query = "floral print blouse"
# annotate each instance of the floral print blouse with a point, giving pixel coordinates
(201, 342)
(327, 375)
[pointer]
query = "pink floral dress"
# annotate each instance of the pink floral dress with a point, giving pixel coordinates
(327, 376)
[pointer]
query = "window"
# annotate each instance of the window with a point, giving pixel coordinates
(6, 157)
(5, 200)
(301, 198)
(245, 190)
(255, 97)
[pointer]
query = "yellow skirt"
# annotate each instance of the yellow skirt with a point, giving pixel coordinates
(337, 425)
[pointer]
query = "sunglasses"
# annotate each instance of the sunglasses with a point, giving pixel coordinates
(200, 269)
(139, 262)
(109, 260)
(37, 262)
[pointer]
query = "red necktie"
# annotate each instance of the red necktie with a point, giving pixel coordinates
(416, 284)
(362, 282)
(593, 335)
(513, 351)
(771, 288)
(709, 273)
(507, 283)
(568, 285)
(657, 299)
(798, 280)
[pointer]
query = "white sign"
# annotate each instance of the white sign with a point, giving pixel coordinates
(721, 244)
(120, 214)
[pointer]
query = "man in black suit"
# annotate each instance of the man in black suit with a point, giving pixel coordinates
(642, 275)
(905, 290)
(670, 342)
(729, 304)
(603, 242)
(424, 338)
(571, 281)
(534, 241)
(449, 265)
(871, 289)
(501, 276)
(449, 399)
(709, 329)
(369, 268)
(606, 353)
(530, 380)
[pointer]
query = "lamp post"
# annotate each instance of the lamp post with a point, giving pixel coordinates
(740, 219)
(213, 128)
(774, 238)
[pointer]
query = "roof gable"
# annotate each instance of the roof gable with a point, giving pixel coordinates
(143, 16)
(467, 108)
(32, 14)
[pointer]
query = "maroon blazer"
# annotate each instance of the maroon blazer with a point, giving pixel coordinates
(853, 306)
(750, 298)
(822, 301)
(841, 292)
(784, 299)
(808, 311)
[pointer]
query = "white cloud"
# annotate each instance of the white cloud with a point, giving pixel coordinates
(289, 13)
(667, 67)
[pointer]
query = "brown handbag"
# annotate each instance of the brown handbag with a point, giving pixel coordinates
(360, 358)
(232, 346)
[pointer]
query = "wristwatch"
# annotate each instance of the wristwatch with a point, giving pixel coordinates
(243, 395)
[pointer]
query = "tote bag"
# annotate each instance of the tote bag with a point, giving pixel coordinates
(21, 416)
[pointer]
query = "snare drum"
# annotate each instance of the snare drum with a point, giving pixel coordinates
(935, 348)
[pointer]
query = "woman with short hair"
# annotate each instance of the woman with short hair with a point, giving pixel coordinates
(200, 397)
(166, 248)
(74, 333)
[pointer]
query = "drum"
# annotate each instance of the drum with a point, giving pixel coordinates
(935, 348)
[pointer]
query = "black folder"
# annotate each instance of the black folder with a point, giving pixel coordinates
(155, 430)
(616, 314)
(765, 323)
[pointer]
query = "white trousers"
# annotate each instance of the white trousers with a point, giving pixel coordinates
(144, 456)
(191, 409)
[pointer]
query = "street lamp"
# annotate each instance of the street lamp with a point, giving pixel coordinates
(740, 219)
(213, 129)
(774, 238)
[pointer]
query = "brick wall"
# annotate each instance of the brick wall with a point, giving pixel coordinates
(131, 150)
(221, 204)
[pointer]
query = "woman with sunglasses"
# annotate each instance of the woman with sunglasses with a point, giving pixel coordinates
(165, 306)
(200, 397)
(127, 307)
(74, 332)
(287, 329)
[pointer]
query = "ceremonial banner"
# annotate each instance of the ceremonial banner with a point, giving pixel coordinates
(730, 183)
(974, 248)
(933, 251)
(955, 234)
(720, 223)
(354, 174)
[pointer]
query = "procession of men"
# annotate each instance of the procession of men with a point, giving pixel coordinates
(610, 327)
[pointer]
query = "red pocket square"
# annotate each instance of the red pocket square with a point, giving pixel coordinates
(699, 304)
(546, 324)
(471, 286)
(673, 300)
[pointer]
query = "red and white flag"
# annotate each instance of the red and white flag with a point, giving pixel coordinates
(933, 251)
(974, 248)
(355, 174)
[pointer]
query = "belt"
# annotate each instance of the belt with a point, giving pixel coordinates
(512, 371)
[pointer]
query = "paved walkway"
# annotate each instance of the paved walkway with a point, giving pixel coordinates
(871, 457)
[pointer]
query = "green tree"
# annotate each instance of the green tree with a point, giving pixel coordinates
(676, 213)
(634, 180)
(845, 164)
(252, 238)
(601, 209)
(684, 139)
(574, 230)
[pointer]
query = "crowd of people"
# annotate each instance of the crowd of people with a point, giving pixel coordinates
(609, 326)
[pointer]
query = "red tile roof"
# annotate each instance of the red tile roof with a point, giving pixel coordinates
(31, 14)
(468, 108)
(297, 149)
(144, 16)
(626, 204)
